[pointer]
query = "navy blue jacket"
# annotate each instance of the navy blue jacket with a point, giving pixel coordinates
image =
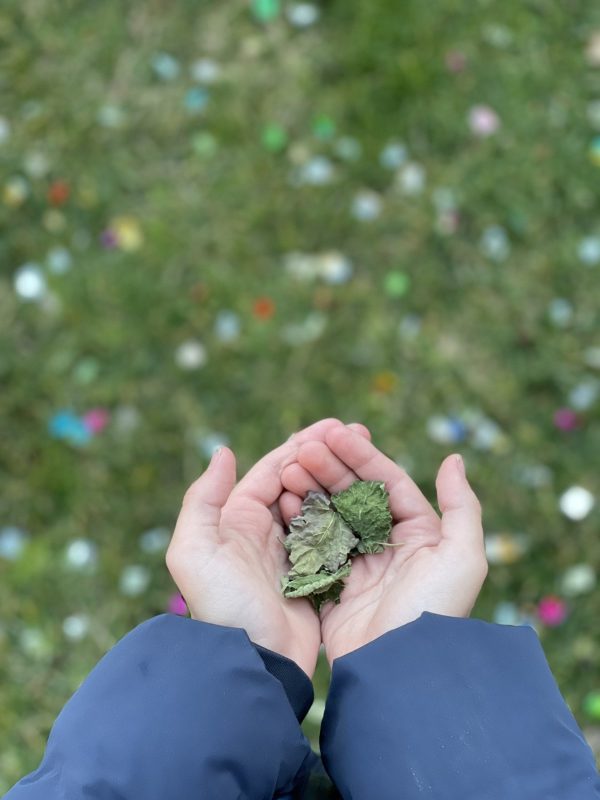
(439, 709)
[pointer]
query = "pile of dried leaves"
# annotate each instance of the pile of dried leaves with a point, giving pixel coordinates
(329, 532)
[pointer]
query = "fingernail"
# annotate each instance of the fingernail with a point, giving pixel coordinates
(216, 454)
(291, 436)
(460, 465)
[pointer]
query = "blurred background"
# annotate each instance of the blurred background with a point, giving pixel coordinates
(222, 221)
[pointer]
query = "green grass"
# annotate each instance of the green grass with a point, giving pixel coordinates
(216, 228)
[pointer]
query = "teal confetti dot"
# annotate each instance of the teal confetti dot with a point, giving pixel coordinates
(396, 284)
(323, 127)
(595, 151)
(274, 138)
(266, 10)
(196, 100)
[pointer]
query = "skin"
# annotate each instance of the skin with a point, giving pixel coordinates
(227, 559)
(226, 555)
(439, 565)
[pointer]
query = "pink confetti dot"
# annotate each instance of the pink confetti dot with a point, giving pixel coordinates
(177, 605)
(566, 419)
(96, 419)
(483, 121)
(552, 611)
(455, 61)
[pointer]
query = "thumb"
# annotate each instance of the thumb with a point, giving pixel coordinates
(461, 510)
(198, 521)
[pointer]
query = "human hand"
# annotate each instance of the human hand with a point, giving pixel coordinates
(440, 565)
(226, 555)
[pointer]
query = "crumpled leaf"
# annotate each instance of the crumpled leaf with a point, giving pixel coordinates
(322, 583)
(319, 538)
(364, 506)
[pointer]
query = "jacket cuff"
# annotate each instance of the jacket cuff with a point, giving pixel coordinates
(448, 707)
(298, 686)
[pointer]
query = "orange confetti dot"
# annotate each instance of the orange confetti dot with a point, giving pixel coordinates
(384, 382)
(58, 193)
(263, 308)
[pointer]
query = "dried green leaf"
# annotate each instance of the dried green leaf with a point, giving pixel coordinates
(319, 538)
(304, 585)
(365, 507)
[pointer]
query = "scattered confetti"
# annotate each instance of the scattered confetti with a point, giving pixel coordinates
(323, 127)
(134, 580)
(592, 50)
(560, 312)
(165, 66)
(483, 121)
(59, 260)
(177, 605)
(446, 430)
(76, 627)
(196, 100)
(13, 542)
(155, 540)
(396, 283)
(16, 191)
(393, 155)
(552, 611)
(30, 282)
(317, 171)
(309, 330)
(456, 61)
(263, 308)
(265, 10)
(589, 251)
(34, 643)
(366, 205)
(227, 326)
(578, 579)
(81, 555)
(595, 151)
(96, 419)
(591, 704)
(58, 193)
(495, 243)
(585, 394)
(191, 355)
(4, 130)
(69, 427)
(205, 70)
(565, 419)
(577, 502)
(274, 138)
(411, 178)
(347, 148)
(505, 548)
(127, 233)
(302, 15)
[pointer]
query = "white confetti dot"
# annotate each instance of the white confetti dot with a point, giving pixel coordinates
(205, 70)
(134, 580)
(76, 626)
(191, 355)
(334, 267)
(155, 540)
(29, 282)
(12, 542)
(411, 178)
(317, 171)
(4, 130)
(576, 503)
(81, 554)
(227, 326)
(366, 205)
(578, 579)
(393, 155)
(302, 15)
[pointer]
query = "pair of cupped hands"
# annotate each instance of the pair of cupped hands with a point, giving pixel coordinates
(227, 559)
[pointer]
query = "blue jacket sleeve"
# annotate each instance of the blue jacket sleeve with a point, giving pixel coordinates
(453, 708)
(183, 709)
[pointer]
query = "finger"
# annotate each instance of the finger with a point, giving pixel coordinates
(296, 479)
(461, 510)
(198, 521)
(360, 428)
(263, 482)
(317, 462)
(328, 471)
(368, 463)
(290, 506)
